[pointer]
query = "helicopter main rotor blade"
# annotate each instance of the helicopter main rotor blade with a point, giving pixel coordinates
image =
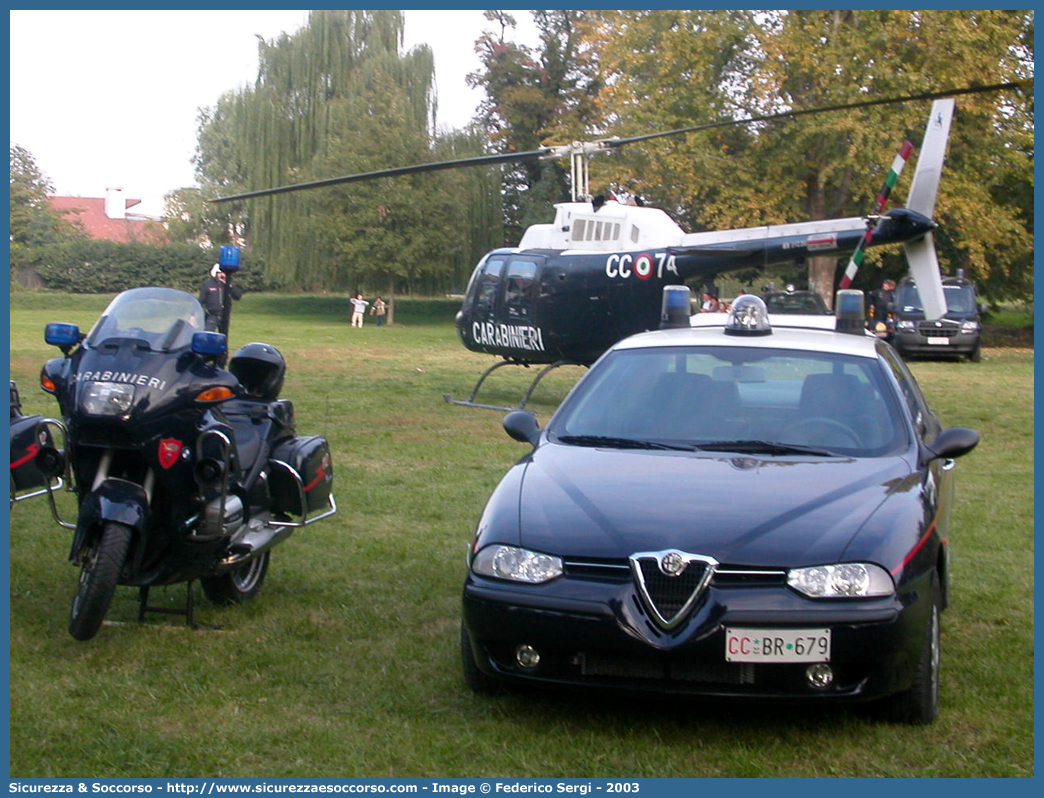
(932, 95)
(545, 152)
(481, 160)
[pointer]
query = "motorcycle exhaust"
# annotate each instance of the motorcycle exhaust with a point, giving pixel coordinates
(254, 542)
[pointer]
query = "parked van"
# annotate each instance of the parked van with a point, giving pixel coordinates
(956, 333)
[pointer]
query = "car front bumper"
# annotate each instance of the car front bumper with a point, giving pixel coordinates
(914, 342)
(592, 634)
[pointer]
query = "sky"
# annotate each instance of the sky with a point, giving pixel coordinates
(109, 99)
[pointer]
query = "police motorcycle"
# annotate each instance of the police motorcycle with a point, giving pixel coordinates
(182, 470)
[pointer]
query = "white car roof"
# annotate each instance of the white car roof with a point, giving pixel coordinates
(789, 331)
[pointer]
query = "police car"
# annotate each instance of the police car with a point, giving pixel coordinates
(741, 509)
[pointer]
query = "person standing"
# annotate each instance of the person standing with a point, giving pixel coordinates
(882, 301)
(359, 306)
(379, 310)
(212, 297)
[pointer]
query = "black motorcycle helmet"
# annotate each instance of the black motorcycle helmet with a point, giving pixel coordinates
(260, 369)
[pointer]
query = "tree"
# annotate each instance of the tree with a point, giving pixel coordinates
(33, 221)
(190, 219)
(532, 97)
(675, 69)
(336, 97)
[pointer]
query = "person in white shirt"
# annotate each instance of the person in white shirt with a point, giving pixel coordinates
(359, 306)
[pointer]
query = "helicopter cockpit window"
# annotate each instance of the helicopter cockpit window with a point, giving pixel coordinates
(579, 227)
(489, 282)
(521, 280)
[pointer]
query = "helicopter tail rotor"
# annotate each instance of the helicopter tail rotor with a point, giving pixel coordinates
(882, 199)
(920, 254)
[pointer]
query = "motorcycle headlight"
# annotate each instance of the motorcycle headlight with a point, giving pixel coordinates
(845, 580)
(107, 398)
(518, 565)
(969, 326)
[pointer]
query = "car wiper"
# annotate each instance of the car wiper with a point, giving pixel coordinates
(762, 447)
(619, 443)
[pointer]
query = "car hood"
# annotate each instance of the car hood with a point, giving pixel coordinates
(739, 509)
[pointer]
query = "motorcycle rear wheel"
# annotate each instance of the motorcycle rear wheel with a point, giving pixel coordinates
(98, 578)
(239, 585)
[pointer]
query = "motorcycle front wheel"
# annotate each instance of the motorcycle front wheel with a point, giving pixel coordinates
(239, 585)
(98, 578)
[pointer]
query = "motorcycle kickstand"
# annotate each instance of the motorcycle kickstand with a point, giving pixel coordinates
(188, 611)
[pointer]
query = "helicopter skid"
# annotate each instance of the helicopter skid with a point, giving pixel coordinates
(470, 401)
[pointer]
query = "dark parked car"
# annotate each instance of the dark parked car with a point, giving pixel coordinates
(738, 511)
(957, 333)
(794, 301)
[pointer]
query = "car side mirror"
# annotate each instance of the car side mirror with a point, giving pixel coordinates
(952, 442)
(522, 426)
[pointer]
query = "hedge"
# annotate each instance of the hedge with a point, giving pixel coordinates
(106, 267)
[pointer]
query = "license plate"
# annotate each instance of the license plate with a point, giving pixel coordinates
(777, 645)
(939, 341)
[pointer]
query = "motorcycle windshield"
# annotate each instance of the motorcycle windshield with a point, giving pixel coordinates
(162, 319)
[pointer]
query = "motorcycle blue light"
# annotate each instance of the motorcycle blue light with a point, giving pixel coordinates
(209, 343)
(57, 334)
(229, 259)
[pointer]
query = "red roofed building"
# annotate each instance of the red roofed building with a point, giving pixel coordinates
(108, 218)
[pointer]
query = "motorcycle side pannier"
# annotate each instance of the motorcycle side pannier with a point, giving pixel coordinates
(309, 456)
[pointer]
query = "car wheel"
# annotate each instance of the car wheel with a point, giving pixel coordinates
(919, 704)
(477, 681)
(976, 354)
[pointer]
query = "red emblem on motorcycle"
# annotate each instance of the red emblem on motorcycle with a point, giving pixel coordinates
(169, 449)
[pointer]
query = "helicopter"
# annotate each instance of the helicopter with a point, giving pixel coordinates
(572, 288)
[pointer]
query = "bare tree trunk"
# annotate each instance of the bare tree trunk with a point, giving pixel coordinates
(821, 269)
(391, 301)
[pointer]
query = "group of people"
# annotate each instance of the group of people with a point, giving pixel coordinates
(212, 298)
(359, 305)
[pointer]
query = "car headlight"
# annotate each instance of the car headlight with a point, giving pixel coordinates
(969, 326)
(107, 398)
(904, 325)
(518, 565)
(846, 580)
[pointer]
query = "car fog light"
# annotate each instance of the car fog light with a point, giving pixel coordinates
(819, 675)
(527, 657)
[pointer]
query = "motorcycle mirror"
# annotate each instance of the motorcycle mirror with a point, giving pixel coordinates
(64, 336)
(209, 344)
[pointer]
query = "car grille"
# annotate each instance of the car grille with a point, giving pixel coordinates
(670, 594)
(929, 330)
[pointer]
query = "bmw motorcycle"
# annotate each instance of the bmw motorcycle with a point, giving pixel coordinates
(182, 470)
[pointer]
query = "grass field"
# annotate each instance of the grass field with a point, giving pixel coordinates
(347, 664)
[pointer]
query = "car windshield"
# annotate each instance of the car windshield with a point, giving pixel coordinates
(959, 299)
(754, 400)
(160, 318)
